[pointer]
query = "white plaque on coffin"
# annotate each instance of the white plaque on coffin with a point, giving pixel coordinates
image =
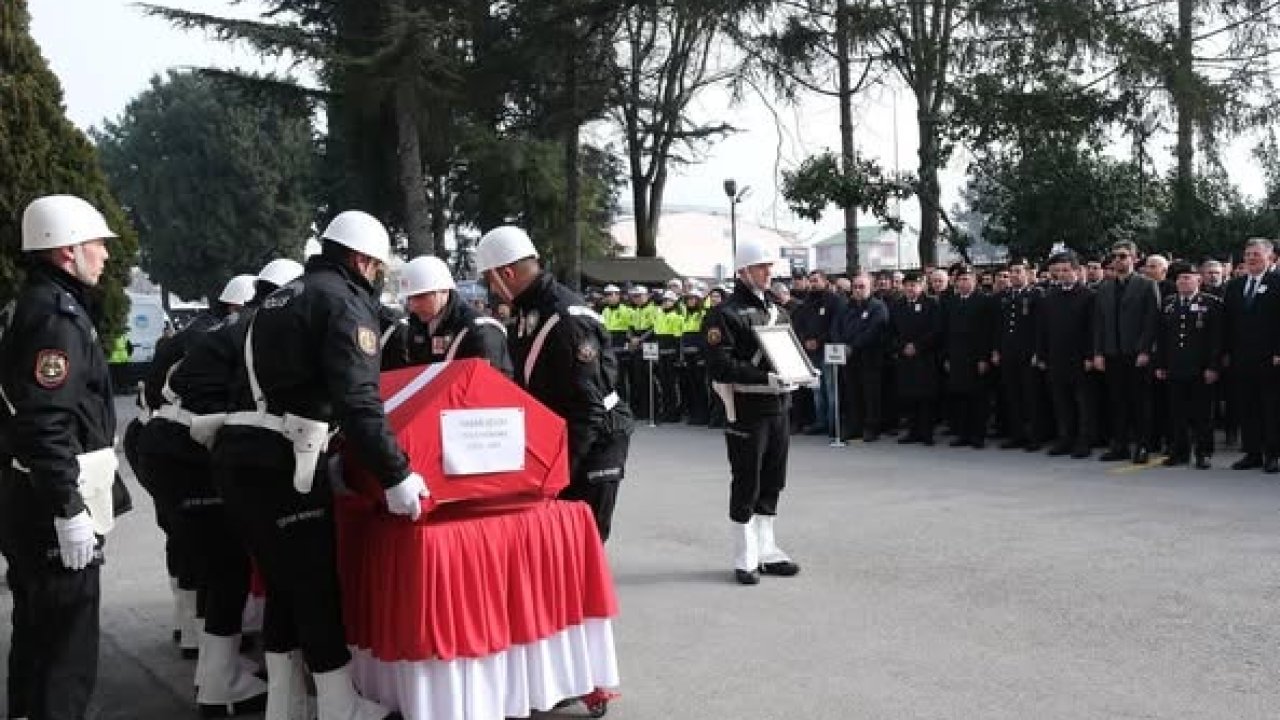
(488, 440)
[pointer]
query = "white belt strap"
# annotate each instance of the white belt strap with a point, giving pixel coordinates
(274, 423)
(457, 343)
(259, 400)
(541, 339)
(391, 330)
(174, 413)
(167, 392)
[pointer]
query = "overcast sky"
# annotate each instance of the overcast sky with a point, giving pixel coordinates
(104, 52)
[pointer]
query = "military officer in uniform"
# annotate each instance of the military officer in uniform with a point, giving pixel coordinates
(57, 419)
(1020, 380)
(756, 404)
(1064, 349)
(1188, 361)
(442, 326)
(967, 347)
(916, 331)
(267, 456)
(562, 357)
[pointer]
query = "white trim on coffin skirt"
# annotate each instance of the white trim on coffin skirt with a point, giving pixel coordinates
(507, 684)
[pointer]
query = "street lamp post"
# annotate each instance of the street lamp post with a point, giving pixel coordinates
(735, 196)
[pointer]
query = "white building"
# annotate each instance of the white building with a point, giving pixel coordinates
(878, 249)
(697, 242)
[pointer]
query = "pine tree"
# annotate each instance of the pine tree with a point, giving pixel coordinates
(42, 153)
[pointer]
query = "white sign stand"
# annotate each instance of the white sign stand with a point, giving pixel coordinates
(835, 358)
(650, 354)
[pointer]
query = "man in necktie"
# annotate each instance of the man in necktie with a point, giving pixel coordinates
(1252, 347)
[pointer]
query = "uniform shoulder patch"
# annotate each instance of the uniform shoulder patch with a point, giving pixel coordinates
(367, 339)
(52, 369)
(587, 352)
(713, 336)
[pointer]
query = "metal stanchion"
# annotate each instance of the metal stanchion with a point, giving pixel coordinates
(651, 357)
(835, 359)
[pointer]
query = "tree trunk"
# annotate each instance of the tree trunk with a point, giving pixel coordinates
(573, 178)
(654, 211)
(439, 213)
(417, 212)
(646, 244)
(851, 260)
(928, 192)
(1184, 100)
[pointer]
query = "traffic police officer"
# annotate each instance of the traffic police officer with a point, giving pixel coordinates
(756, 402)
(617, 320)
(644, 320)
(562, 357)
(693, 370)
(1188, 361)
(668, 329)
(59, 462)
(321, 368)
(442, 326)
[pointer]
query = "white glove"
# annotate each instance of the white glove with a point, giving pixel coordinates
(75, 540)
(814, 380)
(405, 498)
(777, 383)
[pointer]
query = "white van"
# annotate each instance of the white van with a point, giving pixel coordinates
(147, 321)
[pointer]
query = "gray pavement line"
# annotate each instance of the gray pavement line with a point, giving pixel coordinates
(156, 679)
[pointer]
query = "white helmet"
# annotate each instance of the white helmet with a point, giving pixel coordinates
(238, 290)
(427, 273)
(502, 246)
(280, 272)
(670, 295)
(638, 290)
(55, 221)
(753, 252)
(361, 232)
(611, 289)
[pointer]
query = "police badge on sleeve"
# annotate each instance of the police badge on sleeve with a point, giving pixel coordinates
(367, 339)
(52, 369)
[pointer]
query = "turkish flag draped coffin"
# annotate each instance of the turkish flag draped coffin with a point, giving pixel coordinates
(415, 399)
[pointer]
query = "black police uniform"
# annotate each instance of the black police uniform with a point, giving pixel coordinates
(917, 323)
(175, 469)
(460, 332)
(315, 356)
(562, 357)
(201, 383)
(758, 437)
(693, 376)
(394, 341)
(1021, 383)
(57, 404)
(1064, 341)
(1189, 343)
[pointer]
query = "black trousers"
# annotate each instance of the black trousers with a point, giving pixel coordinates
(292, 536)
(1257, 405)
(640, 384)
(164, 512)
(920, 416)
(1190, 411)
(168, 472)
(971, 414)
(1130, 399)
(1019, 386)
(758, 447)
(668, 380)
(53, 652)
(594, 478)
(1073, 410)
(694, 388)
(864, 393)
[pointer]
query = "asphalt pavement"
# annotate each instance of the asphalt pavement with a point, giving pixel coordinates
(937, 583)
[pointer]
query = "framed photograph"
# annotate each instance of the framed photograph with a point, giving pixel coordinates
(785, 353)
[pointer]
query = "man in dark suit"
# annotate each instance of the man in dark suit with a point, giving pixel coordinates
(1064, 350)
(863, 325)
(967, 320)
(1125, 318)
(916, 321)
(1015, 347)
(812, 322)
(1188, 360)
(1252, 312)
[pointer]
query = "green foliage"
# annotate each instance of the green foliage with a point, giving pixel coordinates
(42, 153)
(819, 184)
(1059, 194)
(217, 182)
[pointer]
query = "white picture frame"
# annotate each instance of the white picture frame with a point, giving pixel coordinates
(785, 353)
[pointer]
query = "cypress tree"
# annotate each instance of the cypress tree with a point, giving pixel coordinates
(42, 153)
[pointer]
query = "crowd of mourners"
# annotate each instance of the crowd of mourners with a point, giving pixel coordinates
(1128, 354)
